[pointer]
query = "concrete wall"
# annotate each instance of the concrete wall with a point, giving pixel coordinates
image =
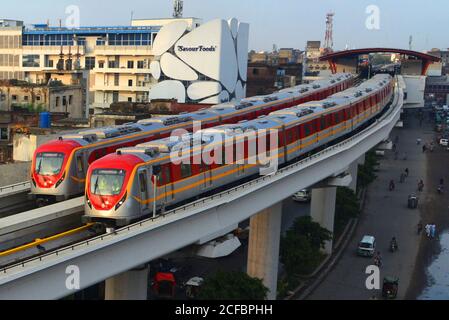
(415, 91)
(347, 65)
(25, 145)
(12, 173)
(411, 67)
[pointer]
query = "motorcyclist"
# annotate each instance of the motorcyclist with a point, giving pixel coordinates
(378, 259)
(391, 185)
(393, 244)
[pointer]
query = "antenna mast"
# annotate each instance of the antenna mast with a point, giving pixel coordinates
(329, 38)
(178, 8)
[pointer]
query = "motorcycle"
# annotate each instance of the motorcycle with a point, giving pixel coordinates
(393, 246)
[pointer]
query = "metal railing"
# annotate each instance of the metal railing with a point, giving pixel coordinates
(14, 187)
(220, 195)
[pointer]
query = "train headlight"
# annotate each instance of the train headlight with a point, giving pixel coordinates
(88, 202)
(122, 201)
(60, 181)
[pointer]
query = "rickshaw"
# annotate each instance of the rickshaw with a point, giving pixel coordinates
(390, 287)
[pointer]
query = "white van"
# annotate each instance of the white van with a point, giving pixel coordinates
(367, 247)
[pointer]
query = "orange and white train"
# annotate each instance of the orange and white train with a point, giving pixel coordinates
(59, 167)
(140, 181)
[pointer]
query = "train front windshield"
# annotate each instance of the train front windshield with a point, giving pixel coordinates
(49, 163)
(106, 182)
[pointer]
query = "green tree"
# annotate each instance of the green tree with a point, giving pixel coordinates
(314, 233)
(367, 172)
(347, 206)
(232, 286)
(297, 254)
(300, 247)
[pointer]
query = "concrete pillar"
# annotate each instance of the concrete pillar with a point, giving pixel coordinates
(353, 169)
(129, 285)
(322, 210)
(263, 247)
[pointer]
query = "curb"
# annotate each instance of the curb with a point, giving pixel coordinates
(308, 287)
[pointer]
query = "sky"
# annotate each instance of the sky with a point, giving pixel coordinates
(286, 23)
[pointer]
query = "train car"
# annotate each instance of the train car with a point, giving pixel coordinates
(144, 180)
(59, 167)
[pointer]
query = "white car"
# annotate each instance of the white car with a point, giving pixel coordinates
(444, 142)
(302, 196)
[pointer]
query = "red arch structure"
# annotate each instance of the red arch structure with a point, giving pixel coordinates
(427, 59)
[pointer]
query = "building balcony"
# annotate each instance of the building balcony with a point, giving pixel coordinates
(123, 50)
(134, 88)
(122, 70)
(54, 50)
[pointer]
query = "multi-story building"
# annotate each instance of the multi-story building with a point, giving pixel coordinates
(112, 63)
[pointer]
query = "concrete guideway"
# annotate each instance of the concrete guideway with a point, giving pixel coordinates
(13, 196)
(106, 256)
(26, 226)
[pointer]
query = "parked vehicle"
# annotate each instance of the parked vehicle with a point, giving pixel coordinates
(444, 142)
(390, 287)
(302, 196)
(367, 247)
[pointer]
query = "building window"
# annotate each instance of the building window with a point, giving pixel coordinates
(130, 99)
(31, 61)
(130, 64)
(90, 63)
(58, 101)
(25, 98)
(64, 100)
(112, 65)
(116, 79)
(101, 64)
(14, 97)
(70, 100)
(38, 98)
(140, 64)
(4, 134)
(130, 83)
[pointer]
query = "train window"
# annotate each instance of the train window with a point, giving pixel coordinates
(337, 118)
(79, 163)
(307, 129)
(143, 182)
(323, 123)
(289, 136)
(167, 174)
(186, 170)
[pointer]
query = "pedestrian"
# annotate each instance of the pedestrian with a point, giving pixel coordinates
(432, 231)
(420, 185)
(406, 172)
(394, 146)
(428, 230)
(424, 148)
(419, 227)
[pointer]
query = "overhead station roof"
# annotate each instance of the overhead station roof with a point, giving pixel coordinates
(354, 52)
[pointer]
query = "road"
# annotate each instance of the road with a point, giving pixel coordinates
(385, 215)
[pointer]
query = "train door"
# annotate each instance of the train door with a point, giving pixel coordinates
(169, 194)
(143, 191)
(80, 170)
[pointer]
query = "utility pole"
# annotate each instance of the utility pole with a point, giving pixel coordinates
(178, 8)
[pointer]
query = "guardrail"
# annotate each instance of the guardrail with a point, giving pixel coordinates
(22, 186)
(393, 107)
